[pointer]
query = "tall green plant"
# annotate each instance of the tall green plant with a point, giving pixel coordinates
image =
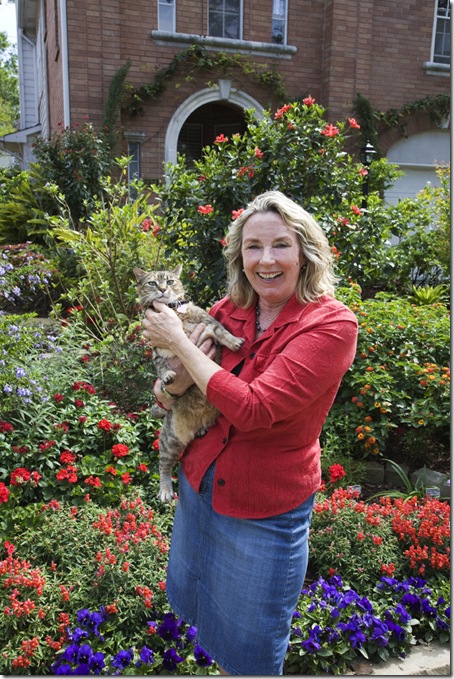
(118, 235)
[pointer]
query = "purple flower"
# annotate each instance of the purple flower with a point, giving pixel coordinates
(146, 655)
(170, 659)
(202, 659)
(123, 659)
(169, 628)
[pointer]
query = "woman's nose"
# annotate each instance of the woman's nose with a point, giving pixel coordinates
(267, 255)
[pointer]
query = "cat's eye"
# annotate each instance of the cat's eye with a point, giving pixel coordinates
(152, 284)
(170, 282)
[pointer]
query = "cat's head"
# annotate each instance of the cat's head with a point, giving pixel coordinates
(160, 286)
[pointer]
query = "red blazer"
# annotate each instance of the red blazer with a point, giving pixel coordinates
(266, 440)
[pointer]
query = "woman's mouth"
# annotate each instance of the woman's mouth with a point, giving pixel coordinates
(269, 276)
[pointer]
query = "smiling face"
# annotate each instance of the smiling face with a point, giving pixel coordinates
(272, 258)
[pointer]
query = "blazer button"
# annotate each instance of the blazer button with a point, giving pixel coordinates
(252, 355)
(224, 440)
(221, 482)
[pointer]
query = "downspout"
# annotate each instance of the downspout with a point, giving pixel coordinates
(65, 64)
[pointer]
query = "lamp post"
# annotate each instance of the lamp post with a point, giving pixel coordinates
(366, 155)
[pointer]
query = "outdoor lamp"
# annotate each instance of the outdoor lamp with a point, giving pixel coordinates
(367, 154)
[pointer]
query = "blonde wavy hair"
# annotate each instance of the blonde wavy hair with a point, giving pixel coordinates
(316, 277)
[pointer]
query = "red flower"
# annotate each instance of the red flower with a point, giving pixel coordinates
(237, 213)
(126, 478)
(93, 481)
(120, 450)
(223, 242)
(67, 457)
(309, 101)
(155, 445)
(220, 139)
(142, 468)
(6, 427)
(45, 445)
(82, 419)
(105, 425)
(354, 124)
(146, 225)
(258, 153)
(205, 209)
(330, 131)
(4, 493)
(19, 476)
(280, 111)
(336, 472)
(356, 210)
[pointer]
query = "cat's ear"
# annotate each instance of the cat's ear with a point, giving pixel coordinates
(138, 273)
(177, 270)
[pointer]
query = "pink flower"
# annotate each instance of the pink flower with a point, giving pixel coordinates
(258, 153)
(354, 124)
(205, 209)
(220, 139)
(309, 101)
(330, 131)
(237, 213)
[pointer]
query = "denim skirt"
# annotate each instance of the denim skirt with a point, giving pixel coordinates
(237, 580)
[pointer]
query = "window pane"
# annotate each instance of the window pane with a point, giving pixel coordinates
(279, 8)
(277, 35)
(232, 26)
(165, 21)
(216, 5)
(232, 6)
(215, 24)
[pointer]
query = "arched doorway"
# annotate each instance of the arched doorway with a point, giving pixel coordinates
(204, 115)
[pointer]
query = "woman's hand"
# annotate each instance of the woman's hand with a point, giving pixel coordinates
(161, 327)
(157, 329)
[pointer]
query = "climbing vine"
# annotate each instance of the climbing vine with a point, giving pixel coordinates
(195, 59)
(438, 107)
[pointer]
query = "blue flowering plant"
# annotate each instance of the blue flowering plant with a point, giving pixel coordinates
(27, 279)
(334, 626)
(172, 649)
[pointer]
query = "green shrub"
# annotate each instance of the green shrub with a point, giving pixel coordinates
(399, 383)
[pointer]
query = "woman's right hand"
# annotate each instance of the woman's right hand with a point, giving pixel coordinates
(183, 380)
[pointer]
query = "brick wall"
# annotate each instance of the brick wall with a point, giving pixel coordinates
(374, 47)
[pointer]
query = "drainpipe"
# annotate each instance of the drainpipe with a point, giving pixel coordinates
(65, 64)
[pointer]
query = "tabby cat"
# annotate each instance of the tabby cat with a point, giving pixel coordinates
(191, 414)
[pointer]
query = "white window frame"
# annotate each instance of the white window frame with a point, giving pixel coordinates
(240, 32)
(278, 17)
(166, 4)
(442, 19)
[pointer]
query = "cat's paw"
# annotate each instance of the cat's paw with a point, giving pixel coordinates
(237, 343)
(166, 492)
(168, 377)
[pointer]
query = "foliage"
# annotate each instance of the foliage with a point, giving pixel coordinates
(24, 206)
(436, 200)
(26, 279)
(113, 104)
(399, 383)
(335, 625)
(364, 540)
(80, 444)
(113, 560)
(9, 86)
(194, 59)
(119, 235)
(297, 151)
(429, 295)
(76, 160)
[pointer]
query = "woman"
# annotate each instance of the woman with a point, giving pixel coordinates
(239, 547)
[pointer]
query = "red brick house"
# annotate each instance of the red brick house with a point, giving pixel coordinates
(393, 53)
